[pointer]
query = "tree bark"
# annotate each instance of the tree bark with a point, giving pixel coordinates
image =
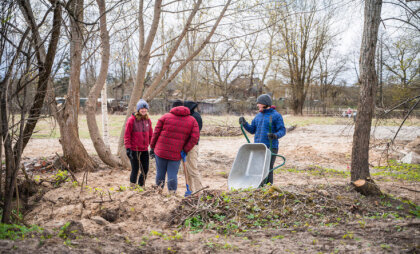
(67, 118)
(45, 65)
(143, 61)
(12, 156)
(103, 151)
(368, 83)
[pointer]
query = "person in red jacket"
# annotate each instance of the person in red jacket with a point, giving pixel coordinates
(175, 131)
(137, 136)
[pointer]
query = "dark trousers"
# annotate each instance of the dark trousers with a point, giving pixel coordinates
(143, 157)
(269, 178)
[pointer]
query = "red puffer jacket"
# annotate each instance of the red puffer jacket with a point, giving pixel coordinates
(138, 134)
(175, 131)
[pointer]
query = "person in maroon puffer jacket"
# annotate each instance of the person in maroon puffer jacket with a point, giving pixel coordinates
(137, 136)
(175, 131)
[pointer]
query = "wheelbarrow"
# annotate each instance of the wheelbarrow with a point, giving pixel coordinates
(251, 165)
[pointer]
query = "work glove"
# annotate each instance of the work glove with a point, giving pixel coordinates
(271, 136)
(129, 153)
(183, 155)
(152, 154)
(242, 120)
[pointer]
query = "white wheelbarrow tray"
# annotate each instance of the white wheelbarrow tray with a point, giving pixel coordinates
(250, 168)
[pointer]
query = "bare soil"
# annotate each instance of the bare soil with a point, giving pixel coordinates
(108, 217)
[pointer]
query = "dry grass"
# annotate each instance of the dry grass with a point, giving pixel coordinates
(47, 128)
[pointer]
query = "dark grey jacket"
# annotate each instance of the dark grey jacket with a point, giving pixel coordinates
(192, 106)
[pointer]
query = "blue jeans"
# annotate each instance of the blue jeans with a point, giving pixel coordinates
(163, 167)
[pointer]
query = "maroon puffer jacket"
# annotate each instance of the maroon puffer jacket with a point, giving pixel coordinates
(175, 131)
(138, 134)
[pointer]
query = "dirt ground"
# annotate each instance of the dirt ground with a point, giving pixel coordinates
(107, 217)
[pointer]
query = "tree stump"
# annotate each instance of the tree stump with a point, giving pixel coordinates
(367, 187)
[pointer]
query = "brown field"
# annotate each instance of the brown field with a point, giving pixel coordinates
(317, 210)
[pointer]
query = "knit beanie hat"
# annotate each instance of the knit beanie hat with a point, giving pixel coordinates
(142, 104)
(264, 99)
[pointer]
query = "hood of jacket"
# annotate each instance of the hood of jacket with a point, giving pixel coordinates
(191, 105)
(180, 111)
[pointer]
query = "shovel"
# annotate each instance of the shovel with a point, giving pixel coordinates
(188, 192)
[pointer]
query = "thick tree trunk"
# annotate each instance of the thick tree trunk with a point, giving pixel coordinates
(143, 61)
(103, 151)
(67, 118)
(368, 83)
(8, 153)
(298, 99)
(1, 158)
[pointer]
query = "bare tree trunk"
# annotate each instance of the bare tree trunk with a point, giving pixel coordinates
(158, 84)
(1, 158)
(45, 65)
(12, 156)
(368, 83)
(143, 61)
(67, 118)
(8, 152)
(103, 151)
(298, 98)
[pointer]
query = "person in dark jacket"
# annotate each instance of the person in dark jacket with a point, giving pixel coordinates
(260, 127)
(137, 136)
(175, 131)
(194, 176)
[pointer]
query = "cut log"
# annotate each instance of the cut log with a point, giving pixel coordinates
(367, 187)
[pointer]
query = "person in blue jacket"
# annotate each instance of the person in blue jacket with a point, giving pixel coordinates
(260, 127)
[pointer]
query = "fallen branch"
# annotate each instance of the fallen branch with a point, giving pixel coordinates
(200, 190)
(408, 189)
(102, 201)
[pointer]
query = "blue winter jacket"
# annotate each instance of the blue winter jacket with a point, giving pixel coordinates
(260, 127)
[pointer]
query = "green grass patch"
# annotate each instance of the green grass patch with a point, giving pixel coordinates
(14, 231)
(400, 171)
(316, 171)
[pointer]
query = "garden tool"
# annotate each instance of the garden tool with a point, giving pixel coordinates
(188, 192)
(252, 164)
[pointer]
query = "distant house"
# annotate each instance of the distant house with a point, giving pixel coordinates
(278, 90)
(244, 86)
(121, 91)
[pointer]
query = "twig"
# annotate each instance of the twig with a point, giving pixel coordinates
(402, 103)
(17, 196)
(408, 189)
(405, 118)
(68, 168)
(25, 174)
(49, 200)
(102, 201)
(200, 190)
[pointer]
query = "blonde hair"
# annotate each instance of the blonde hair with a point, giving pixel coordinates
(141, 117)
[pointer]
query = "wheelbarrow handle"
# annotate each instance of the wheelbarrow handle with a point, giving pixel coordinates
(243, 132)
(281, 156)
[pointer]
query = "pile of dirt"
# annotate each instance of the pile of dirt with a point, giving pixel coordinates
(272, 207)
(220, 131)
